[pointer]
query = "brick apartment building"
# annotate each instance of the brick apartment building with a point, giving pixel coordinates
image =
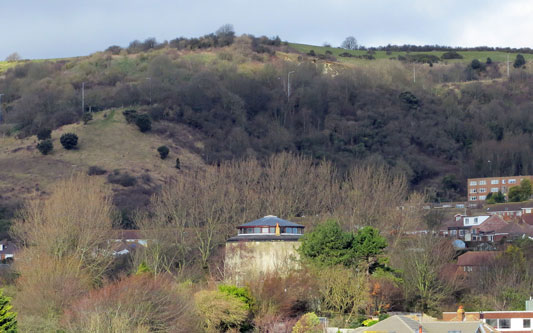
(479, 188)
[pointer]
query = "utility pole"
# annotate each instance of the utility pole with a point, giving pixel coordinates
(507, 64)
(150, 79)
(1, 107)
(289, 84)
(83, 97)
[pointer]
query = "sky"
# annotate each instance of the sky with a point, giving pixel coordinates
(57, 28)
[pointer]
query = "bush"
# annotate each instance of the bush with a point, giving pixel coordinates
(220, 311)
(311, 53)
(45, 146)
(451, 55)
(96, 171)
(130, 115)
(69, 140)
(139, 303)
(87, 116)
(44, 133)
(124, 179)
(144, 123)
(520, 61)
(308, 323)
(163, 152)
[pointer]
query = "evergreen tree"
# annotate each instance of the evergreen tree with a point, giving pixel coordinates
(519, 61)
(8, 319)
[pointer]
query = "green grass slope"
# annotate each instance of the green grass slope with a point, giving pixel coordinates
(468, 56)
(108, 142)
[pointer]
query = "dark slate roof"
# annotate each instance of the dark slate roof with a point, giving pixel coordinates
(271, 221)
(265, 238)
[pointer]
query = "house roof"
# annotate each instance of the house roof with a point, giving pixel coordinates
(265, 238)
(493, 223)
(402, 324)
(527, 218)
(476, 258)
(397, 324)
(517, 229)
(270, 221)
(8, 248)
(508, 207)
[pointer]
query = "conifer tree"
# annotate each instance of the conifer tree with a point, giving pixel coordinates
(8, 319)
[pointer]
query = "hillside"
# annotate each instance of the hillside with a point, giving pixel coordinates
(214, 102)
(108, 142)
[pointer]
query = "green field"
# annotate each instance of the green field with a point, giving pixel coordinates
(468, 56)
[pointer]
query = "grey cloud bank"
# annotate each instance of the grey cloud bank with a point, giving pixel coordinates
(52, 29)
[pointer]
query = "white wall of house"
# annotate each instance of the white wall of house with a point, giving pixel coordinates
(474, 220)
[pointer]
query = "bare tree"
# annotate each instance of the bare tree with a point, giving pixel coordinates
(13, 57)
(350, 43)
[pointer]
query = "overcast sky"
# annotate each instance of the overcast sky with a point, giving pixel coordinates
(60, 28)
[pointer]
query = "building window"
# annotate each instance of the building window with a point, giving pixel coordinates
(473, 190)
(473, 198)
(475, 219)
(264, 230)
(473, 183)
(461, 232)
(482, 190)
(512, 181)
(503, 181)
(467, 221)
(526, 323)
(257, 230)
(467, 268)
(494, 190)
(504, 323)
(453, 232)
(494, 181)
(482, 197)
(482, 182)
(492, 322)
(272, 230)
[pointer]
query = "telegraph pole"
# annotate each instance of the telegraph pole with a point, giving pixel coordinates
(83, 97)
(1, 107)
(150, 78)
(289, 84)
(507, 64)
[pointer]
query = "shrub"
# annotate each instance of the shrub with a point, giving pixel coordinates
(144, 123)
(69, 140)
(139, 303)
(163, 152)
(130, 115)
(95, 171)
(87, 116)
(311, 53)
(220, 311)
(45, 146)
(308, 323)
(124, 179)
(44, 133)
(520, 61)
(452, 55)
